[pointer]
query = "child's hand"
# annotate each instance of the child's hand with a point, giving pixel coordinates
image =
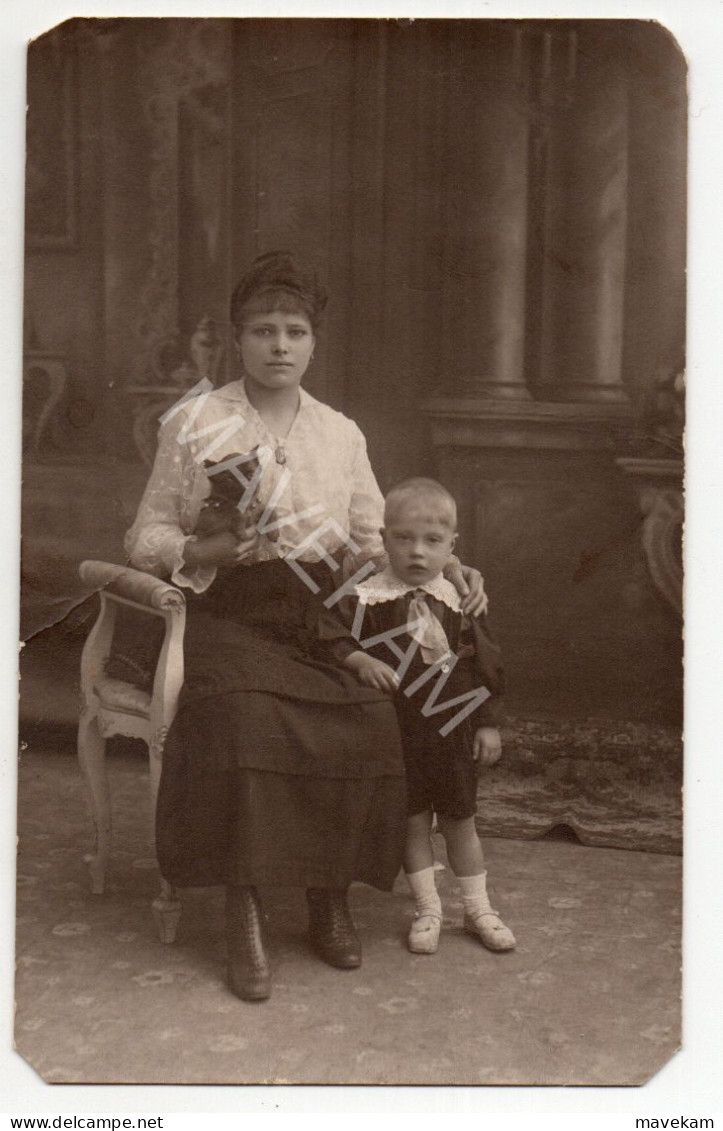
(372, 672)
(487, 746)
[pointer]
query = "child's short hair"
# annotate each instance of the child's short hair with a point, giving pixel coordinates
(422, 493)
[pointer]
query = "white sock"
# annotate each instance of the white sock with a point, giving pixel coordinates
(424, 890)
(474, 894)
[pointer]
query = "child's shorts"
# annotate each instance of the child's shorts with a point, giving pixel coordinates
(441, 771)
(443, 783)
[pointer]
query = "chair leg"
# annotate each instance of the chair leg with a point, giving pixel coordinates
(91, 756)
(166, 909)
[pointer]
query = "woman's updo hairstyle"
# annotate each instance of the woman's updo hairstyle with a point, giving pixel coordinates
(276, 281)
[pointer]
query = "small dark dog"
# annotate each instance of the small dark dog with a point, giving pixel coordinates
(220, 512)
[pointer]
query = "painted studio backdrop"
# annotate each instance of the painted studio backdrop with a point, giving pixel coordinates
(498, 211)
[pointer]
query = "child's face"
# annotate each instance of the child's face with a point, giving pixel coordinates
(419, 545)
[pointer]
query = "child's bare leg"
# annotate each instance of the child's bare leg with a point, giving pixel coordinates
(419, 868)
(467, 862)
(418, 852)
(463, 846)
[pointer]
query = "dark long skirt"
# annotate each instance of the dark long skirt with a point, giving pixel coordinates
(280, 768)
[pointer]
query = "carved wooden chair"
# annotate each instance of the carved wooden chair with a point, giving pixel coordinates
(114, 706)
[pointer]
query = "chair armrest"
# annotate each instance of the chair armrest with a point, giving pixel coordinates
(133, 584)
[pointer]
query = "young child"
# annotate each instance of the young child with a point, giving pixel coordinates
(420, 522)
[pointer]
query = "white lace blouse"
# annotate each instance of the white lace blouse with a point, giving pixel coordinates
(323, 494)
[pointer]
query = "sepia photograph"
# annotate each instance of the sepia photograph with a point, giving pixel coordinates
(353, 403)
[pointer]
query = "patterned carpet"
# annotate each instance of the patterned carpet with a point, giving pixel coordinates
(615, 784)
(591, 995)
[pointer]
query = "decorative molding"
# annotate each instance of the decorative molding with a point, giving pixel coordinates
(537, 425)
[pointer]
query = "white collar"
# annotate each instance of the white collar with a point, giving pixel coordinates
(386, 586)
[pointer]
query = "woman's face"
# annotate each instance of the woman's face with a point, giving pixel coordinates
(276, 348)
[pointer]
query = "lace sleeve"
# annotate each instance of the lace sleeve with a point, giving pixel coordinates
(167, 514)
(366, 506)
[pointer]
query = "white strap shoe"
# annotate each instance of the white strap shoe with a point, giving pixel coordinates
(491, 931)
(424, 933)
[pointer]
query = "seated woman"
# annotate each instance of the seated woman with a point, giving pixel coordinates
(280, 768)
